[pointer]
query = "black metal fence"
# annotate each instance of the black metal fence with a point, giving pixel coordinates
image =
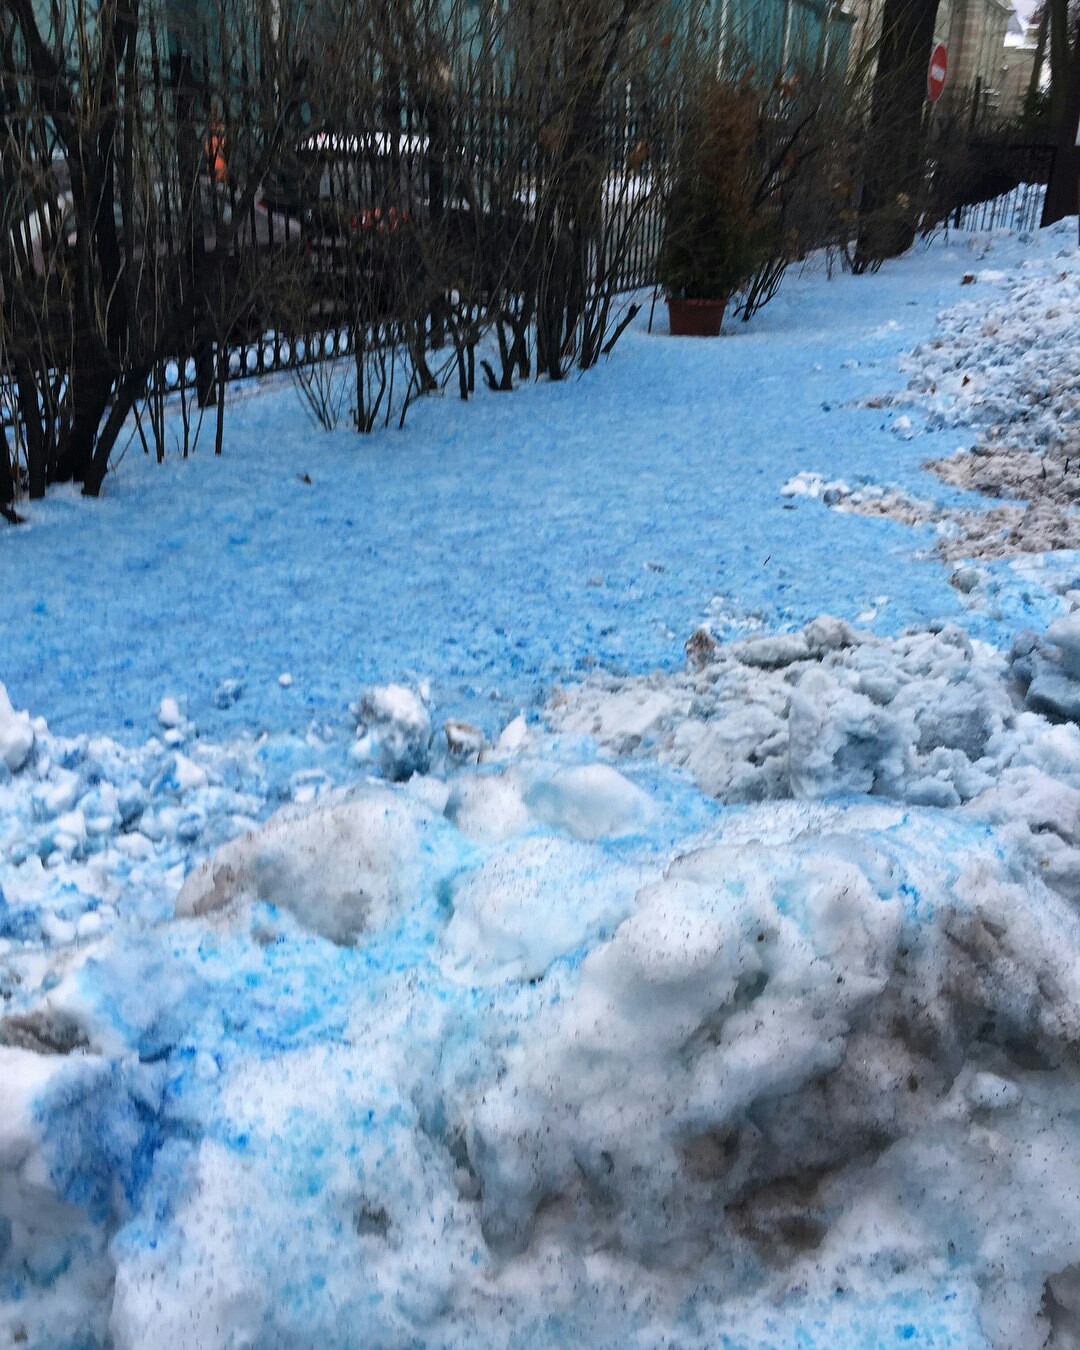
(985, 173)
(475, 189)
(473, 179)
(1007, 186)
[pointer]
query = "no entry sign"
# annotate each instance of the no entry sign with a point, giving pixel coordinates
(935, 76)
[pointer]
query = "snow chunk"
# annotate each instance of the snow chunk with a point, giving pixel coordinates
(491, 806)
(770, 653)
(839, 741)
(16, 734)
(1064, 635)
(228, 693)
(589, 801)
(463, 739)
(341, 868)
(513, 737)
(184, 775)
(629, 716)
(169, 714)
(394, 730)
(815, 486)
(1049, 668)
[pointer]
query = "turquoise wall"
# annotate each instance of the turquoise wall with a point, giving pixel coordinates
(774, 37)
(781, 37)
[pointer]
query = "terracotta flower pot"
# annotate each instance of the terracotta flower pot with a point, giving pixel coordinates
(695, 318)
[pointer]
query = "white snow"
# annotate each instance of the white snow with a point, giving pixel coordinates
(341, 869)
(169, 714)
(16, 735)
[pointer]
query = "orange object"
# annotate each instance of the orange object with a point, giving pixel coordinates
(215, 152)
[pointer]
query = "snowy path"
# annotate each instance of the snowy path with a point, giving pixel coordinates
(724, 1002)
(494, 548)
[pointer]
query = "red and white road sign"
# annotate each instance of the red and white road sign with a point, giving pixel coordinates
(935, 76)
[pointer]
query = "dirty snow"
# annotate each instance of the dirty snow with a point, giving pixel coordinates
(1003, 363)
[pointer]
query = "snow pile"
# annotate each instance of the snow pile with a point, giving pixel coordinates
(563, 1082)
(93, 833)
(778, 1073)
(1006, 361)
(1004, 365)
(928, 718)
(555, 1049)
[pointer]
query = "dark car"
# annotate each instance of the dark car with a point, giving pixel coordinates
(384, 214)
(48, 228)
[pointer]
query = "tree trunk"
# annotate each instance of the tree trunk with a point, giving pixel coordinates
(1037, 64)
(35, 419)
(1059, 62)
(7, 474)
(76, 456)
(1061, 191)
(132, 385)
(894, 166)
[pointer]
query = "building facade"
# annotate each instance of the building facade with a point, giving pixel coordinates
(982, 65)
(974, 34)
(781, 38)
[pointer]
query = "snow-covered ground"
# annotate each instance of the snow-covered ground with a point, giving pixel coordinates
(497, 547)
(404, 941)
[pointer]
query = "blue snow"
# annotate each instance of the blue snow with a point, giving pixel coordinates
(501, 546)
(495, 549)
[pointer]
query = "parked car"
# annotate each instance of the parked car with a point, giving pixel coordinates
(380, 212)
(333, 182)
(42, 243)
(48, 229)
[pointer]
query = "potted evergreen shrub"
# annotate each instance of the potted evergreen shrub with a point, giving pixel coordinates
(713, 238)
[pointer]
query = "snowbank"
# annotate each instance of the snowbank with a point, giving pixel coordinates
(929, 718)
(742, 995)
(1005, 365)
(553, 1050)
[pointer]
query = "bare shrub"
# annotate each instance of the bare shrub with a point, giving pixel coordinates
(131, 255)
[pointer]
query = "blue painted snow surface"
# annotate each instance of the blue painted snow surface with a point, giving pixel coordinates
(499, 547)
(577, 1043)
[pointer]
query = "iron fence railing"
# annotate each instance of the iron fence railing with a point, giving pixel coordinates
(475, 176)
(1007, 186)
(476, 160)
